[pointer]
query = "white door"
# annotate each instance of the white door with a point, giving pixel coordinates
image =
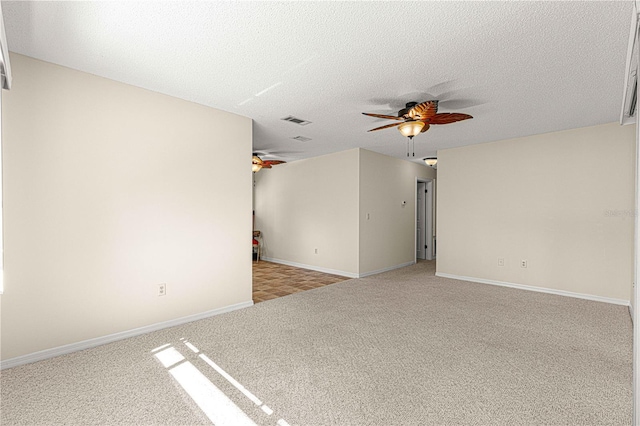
(421, 221)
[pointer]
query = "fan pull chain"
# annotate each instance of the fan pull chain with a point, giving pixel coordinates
(413, 147)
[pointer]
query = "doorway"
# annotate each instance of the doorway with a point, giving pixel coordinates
(425, 239)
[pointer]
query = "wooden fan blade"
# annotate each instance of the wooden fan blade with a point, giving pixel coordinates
(425, 128)
(447, 117)
(385, 127)
(423, 110)
(389, 117)
(266, 166)
(272, 162)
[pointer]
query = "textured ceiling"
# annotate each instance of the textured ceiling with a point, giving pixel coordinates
(520, 68)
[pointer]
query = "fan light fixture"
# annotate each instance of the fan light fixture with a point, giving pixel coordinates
(411, 128)
(258, 164)
(431, 161)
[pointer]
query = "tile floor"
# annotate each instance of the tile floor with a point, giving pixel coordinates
(271, 280)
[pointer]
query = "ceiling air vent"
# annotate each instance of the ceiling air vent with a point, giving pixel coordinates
(301, 138)
(295, 120)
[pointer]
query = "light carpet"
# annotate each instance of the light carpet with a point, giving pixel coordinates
(399, 348)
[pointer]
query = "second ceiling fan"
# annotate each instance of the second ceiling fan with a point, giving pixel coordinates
(258, 163)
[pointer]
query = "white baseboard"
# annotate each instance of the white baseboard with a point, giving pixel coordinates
(91, 343)
(538, 289)
(311, 267)
(335, 271)
(391, 268)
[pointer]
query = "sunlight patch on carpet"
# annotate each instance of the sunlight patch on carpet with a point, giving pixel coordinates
(213, 402)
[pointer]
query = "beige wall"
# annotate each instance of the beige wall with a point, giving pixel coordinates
(110, 190)
(309, 204)
(322, 203)
(387, 238)
(563, 201)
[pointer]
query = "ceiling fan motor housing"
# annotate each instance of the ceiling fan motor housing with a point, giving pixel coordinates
(404, 111)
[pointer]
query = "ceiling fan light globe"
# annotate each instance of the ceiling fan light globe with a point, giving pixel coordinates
(255, 167)
(411, 128)
(431, 161)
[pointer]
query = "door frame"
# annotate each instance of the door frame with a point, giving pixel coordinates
(421, 221)
(633, 53)
(430, 219)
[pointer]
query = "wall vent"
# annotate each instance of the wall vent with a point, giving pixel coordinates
(295, 120)
(301, 138)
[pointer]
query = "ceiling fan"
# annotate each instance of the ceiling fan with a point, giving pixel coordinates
(417, 118)
(257, 163)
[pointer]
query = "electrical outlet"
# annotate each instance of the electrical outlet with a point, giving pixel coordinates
(162, 289)
(523, 263)
(501, 261)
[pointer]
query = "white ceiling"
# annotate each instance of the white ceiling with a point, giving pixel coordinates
(520, 68)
